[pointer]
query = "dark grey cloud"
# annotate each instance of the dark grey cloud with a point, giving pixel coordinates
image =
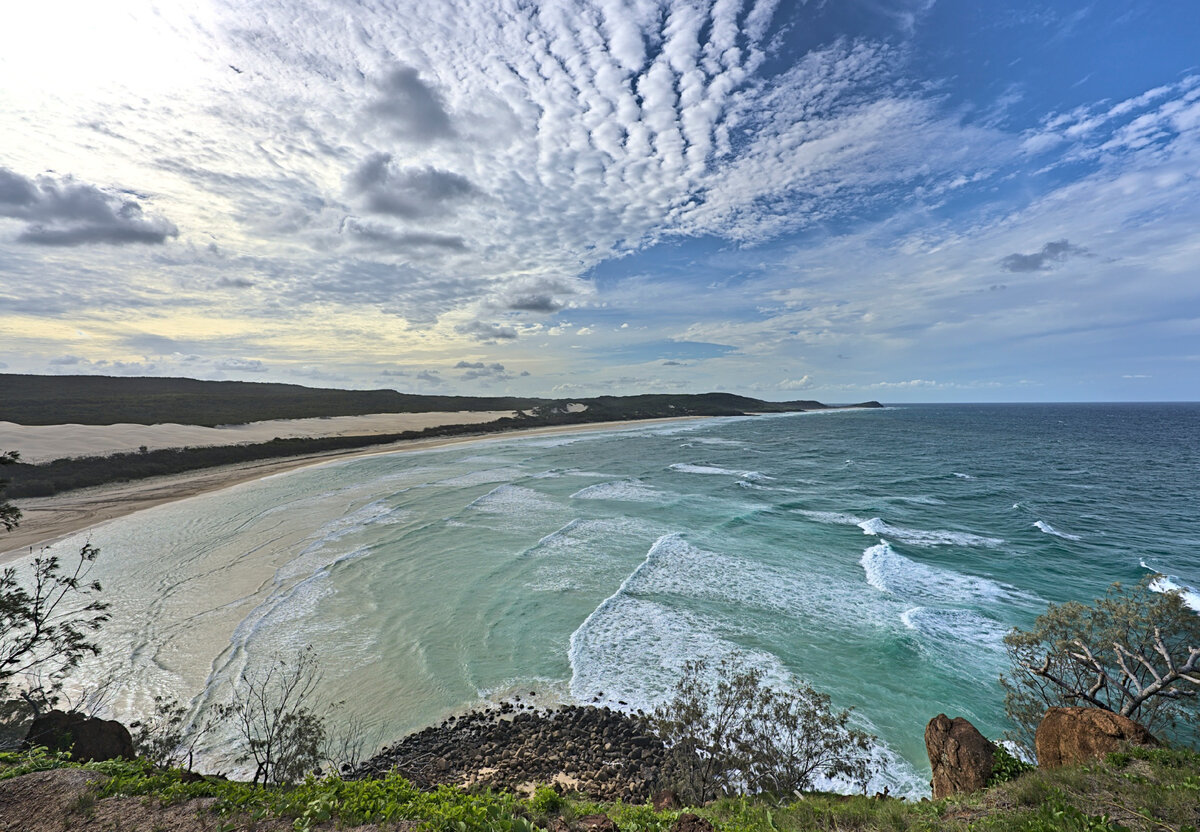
(408, 192)
(673, 364)
(1051, 253)
(484, 331)
(65, 361)
(241, 365)
(544, 294)
(430, 377)
(410, 108)
(478, 369)
(374, 233)
(62, 211)
(233, 283)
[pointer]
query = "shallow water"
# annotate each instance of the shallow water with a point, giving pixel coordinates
(879, 555)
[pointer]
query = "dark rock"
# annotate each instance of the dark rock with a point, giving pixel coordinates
(666, 800)
(1069, 736)
(88, 738)
(687, 822)
(960, 756)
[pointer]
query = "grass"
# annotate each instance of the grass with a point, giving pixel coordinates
(1150, 790)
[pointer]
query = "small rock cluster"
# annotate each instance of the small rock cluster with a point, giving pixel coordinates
(605, 754)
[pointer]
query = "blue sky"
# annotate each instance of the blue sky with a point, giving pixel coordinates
(873, 199)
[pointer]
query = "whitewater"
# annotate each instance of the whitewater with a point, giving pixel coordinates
(880, 555)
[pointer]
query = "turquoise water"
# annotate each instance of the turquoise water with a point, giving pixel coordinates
(879, 555)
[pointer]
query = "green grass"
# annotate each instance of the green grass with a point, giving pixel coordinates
(1141, 789)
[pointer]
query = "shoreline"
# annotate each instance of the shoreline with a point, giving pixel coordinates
(46, 520)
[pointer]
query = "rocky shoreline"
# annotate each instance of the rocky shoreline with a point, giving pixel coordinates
(596, 751)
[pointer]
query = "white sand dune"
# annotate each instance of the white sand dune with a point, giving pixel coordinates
(42, 443)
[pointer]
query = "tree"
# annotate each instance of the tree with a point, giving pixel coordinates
(727, 731)
(44, 630)
(1135, 652)
(274, 715)
(10, 515)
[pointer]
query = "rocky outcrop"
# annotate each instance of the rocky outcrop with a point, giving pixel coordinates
(960, 756)
(605, 754)
(1068, 736)
(88, 738)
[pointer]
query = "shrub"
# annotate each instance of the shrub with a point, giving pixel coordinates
(729, 732)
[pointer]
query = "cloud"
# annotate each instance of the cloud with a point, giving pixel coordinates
(65, 361)
(673, 364)
(478, 369)
(233, 283)
(383, 235)
(407, 192)
(1051, 253)
(802, 383)
(410, 108)
(62, 211)
(430, 377)
(483, 331)
(241, 365)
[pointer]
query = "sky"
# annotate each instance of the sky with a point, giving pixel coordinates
(902, 200)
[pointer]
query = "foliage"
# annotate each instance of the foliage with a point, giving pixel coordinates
(45, 629)
(1134, 652)
(733, 733)
(9, 514)
(1142, 789)
(1006, 766)
(273, 715)
(167, 737)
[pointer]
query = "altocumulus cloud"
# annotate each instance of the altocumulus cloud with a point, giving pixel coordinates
(62, 211)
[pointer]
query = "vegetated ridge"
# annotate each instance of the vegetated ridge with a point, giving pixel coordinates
(106, 400)
(34, 400)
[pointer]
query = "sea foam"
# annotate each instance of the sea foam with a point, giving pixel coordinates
(1048, 529)
(922, 537)
(1169, 583)
(889, 571)
(688, 468)
(634, 491)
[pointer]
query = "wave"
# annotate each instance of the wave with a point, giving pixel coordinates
(949, 629)
(688, 468)
(962, 476)
(834, 517)
(634, 491)
(1163, 583)
(484, 477)
(657, 638)
(921, 537)
(1048, 529)
(889, 571)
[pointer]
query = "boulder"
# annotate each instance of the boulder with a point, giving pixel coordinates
(88, 738)
(665, 800)
(687, 822)
(1068, 736)
(960, 756)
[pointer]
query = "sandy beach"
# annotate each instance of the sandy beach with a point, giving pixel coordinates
(47, 519)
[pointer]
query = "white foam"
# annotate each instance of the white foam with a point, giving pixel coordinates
(515, 505)
(834, 517)
(950, 629)
(921, 537)
(634, 491)
(889, 571)
(963, 476)
(712, 440)
(484, 477)
(713, 470)
(920, 500)
(1163, 583)
(1048, 529)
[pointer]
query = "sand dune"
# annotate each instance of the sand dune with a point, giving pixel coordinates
(42, 443)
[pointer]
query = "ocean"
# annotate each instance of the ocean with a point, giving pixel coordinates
(879, 555)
